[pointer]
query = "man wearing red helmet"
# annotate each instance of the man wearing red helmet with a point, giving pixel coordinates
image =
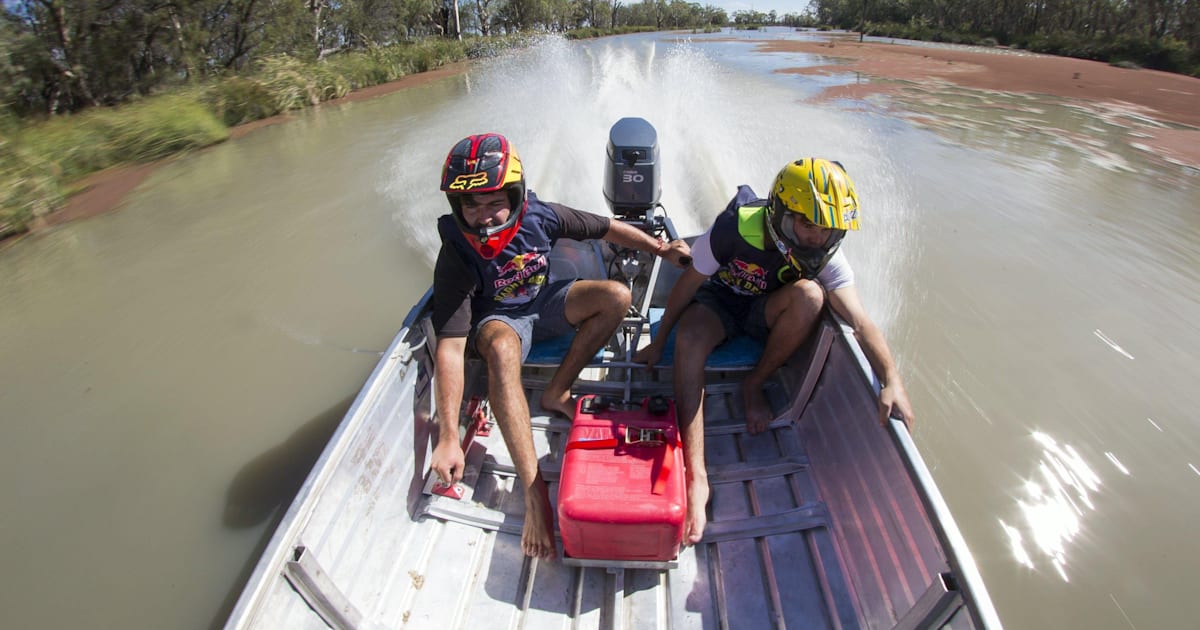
(493, 292)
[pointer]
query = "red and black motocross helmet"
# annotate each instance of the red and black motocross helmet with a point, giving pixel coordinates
(485, 163)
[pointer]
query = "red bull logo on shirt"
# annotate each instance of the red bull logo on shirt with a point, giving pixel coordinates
(518, 263)
(520, 278)
(744, 277)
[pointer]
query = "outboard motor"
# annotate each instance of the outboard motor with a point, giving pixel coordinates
(632, 189)
(632, 172)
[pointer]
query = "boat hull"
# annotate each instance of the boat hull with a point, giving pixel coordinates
(825, 520)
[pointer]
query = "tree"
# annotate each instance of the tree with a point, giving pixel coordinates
(483, 15)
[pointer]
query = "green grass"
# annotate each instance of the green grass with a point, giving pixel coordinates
(29, 186)
(40, 160)
(589, 33)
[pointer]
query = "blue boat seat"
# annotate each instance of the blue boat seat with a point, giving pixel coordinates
(739, 353)
(551, 351)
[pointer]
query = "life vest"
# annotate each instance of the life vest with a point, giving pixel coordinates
(751, 264)
(517, 274)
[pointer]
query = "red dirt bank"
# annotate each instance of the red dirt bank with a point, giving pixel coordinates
(1167, 97)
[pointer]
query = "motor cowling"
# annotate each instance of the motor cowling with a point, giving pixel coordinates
(632, 185)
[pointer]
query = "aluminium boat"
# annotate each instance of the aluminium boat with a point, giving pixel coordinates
(826, 520)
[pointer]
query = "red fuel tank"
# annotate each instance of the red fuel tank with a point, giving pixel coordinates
(622, 493)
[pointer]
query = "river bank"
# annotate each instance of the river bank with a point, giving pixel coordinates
(1170, 98)
(1161, 96)
(104, 191)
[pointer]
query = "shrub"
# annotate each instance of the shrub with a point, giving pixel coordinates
(74, 145)
(238, 100)
(43, 156)
(285, 79)
(158, 127)
(29, 187)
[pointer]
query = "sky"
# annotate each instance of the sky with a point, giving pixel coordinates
(781, 7)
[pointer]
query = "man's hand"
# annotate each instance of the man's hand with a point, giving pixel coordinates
(677, 252)
(448, 461)
(648, 355)
(893, 401)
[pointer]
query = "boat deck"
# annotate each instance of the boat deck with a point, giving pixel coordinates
(769, 535)
(379, 551)
(816, 523)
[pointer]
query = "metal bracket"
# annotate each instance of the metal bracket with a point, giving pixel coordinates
(644, 436)
(318, 590)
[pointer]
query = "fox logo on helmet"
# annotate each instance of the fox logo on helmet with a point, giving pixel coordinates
(468, 181)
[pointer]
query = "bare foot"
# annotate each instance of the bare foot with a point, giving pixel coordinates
(537, 537)
(697, 502)
(758, 412)
(562, 404)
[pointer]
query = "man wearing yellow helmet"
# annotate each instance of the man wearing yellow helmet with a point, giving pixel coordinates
(766, 268)
(493, 292)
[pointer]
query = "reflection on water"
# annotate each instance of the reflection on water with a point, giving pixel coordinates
(268, 482)
(1053, 504)
(1116, 462)
(1112, 344)
(1056, 287)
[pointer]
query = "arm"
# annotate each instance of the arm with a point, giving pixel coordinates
(448, 459)
(676, 252)
(893, 398)
(679, 299)
(452, 288)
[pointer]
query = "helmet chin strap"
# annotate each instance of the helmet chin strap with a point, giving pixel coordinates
(488, 242)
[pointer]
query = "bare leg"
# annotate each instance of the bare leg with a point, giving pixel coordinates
(597, 308)
(791, 313)
(698, 333)
(501, 348)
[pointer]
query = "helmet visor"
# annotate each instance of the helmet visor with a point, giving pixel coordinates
(807, 259)
(792, 223)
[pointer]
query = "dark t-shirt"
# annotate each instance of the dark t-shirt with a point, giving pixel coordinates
(466, 286)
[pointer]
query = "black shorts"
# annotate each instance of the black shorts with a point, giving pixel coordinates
(739, 314)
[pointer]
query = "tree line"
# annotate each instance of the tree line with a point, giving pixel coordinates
(1162, 34)
(60, 56)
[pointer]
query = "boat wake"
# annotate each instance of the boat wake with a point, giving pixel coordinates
(719, 127)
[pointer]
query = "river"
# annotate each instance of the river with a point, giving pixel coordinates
(170, 370)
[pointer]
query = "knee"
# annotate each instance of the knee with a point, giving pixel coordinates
(498, 344)
(696, 337)
(617, 296)
(806, 296)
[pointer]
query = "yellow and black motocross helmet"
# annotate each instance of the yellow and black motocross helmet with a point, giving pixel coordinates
(485, 163)
(816, 191)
